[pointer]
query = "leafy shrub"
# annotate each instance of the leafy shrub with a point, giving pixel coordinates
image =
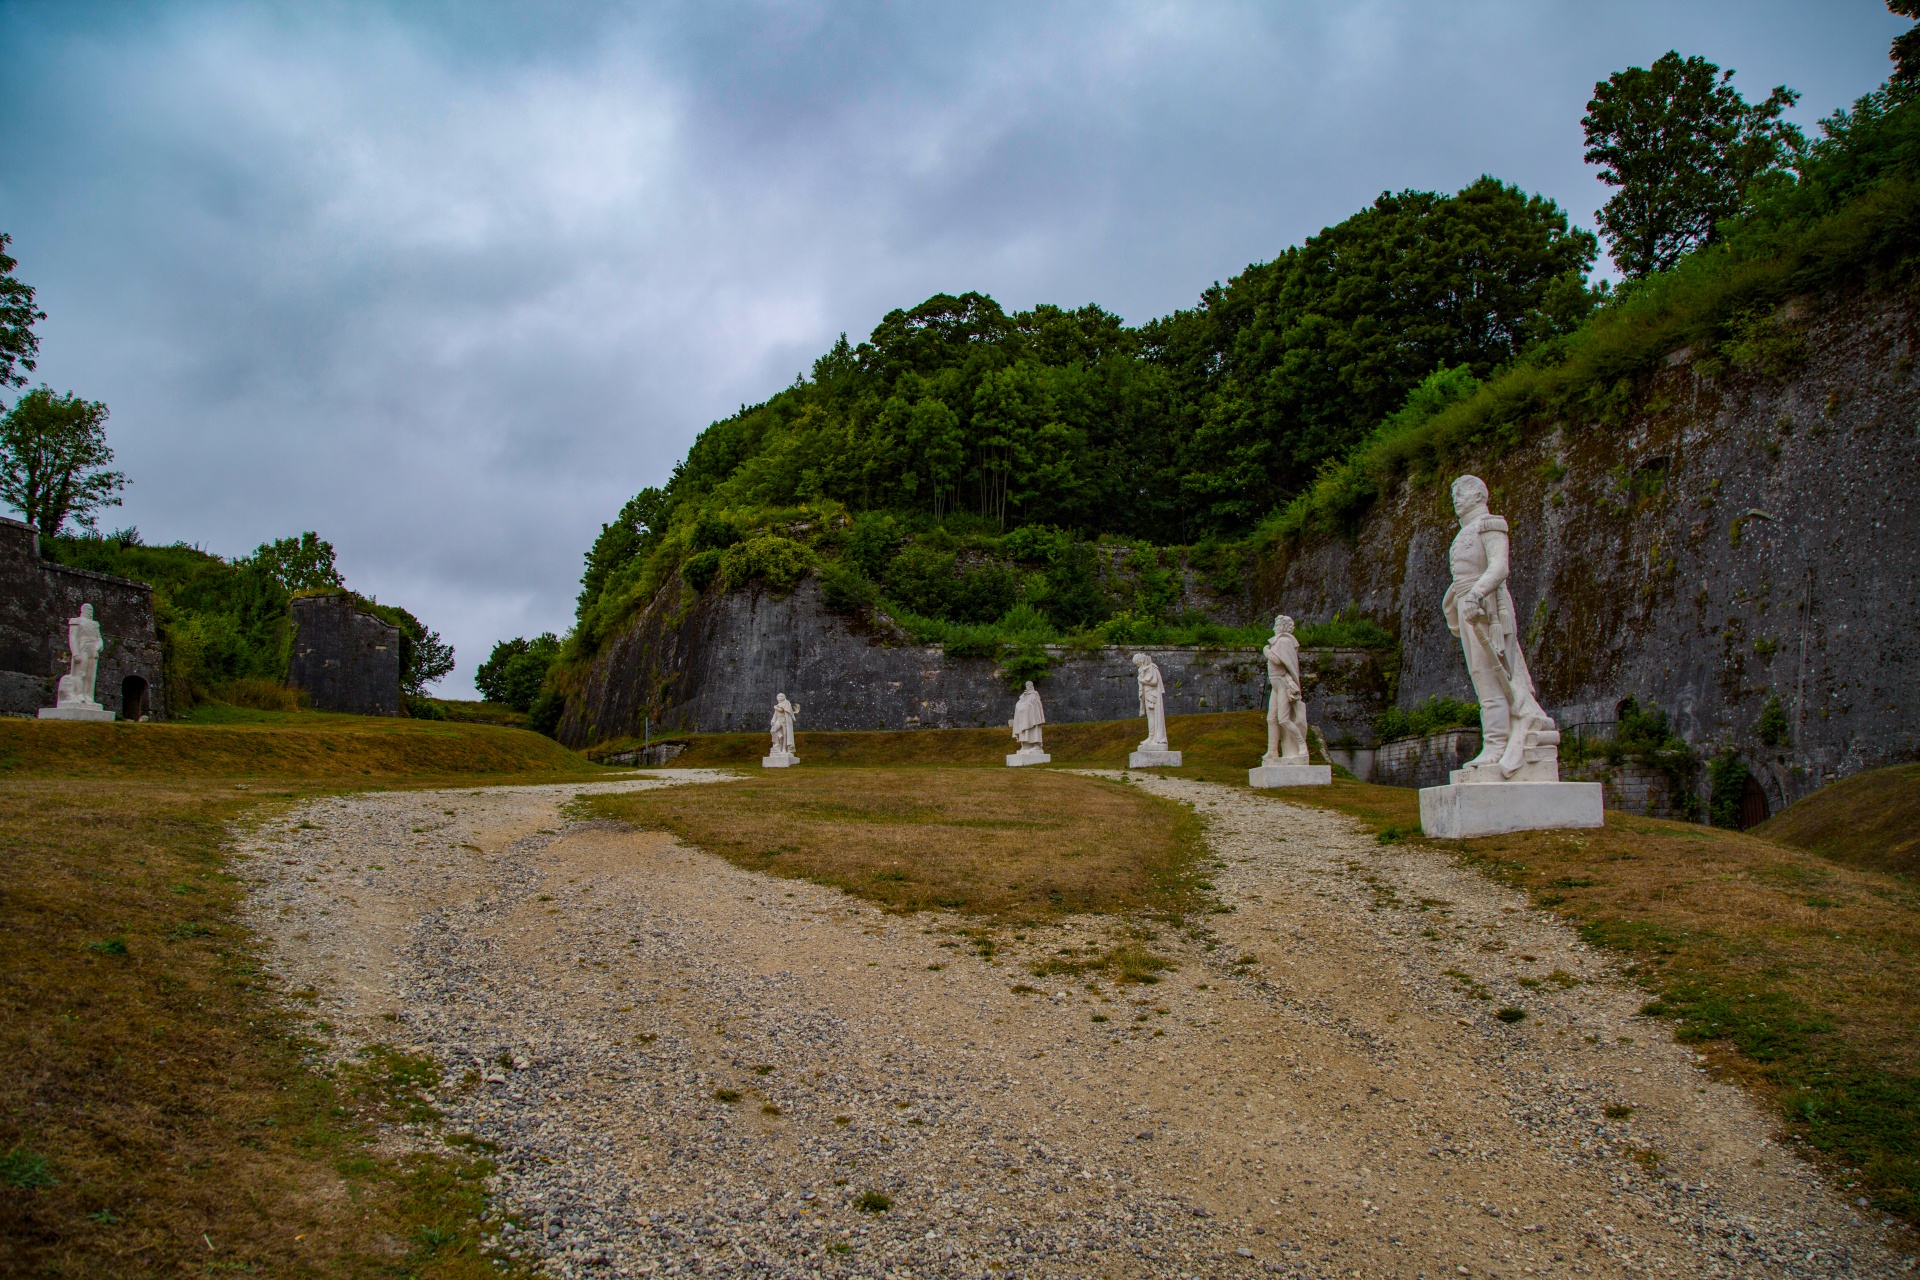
(1772, 727)
(845, 589)
(1436, 715)
(544, 715)
(699, 570)
(1726, 786)
(778, 562)
(1036, 543)
(713, 532)
(1028, 662)
(1348, 629)
(424, 708)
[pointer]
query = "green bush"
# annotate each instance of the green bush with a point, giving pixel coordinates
(1028, 662)
(701, 569)
(1772, 728)
(845, 589)
(1726, 785)
(516, 670)
(424, 708)
(1347, 629)
(778, 562)
(1436, 715)
(544, 715)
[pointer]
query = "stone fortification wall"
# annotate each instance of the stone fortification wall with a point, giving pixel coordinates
(345, 659)
(36, 599)
(717, 667)
(1737, 539)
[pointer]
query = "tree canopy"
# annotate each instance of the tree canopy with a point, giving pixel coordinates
(18, 342)
(1685, 150)
(53, 458)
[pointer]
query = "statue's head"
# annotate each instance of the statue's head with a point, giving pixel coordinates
(1468, 492)
(1141, 659)
(1283, 625)
(1029, 686)
(86, 611)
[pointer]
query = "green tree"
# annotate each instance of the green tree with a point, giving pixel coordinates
(1684, 149)
(424, 656)
(517, 669)
(53, 455)
(1906, 45)
(19, 344)
(304, 563)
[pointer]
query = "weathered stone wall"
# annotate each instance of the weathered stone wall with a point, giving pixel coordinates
(717, 668)
(36, 599)
(1740, 538)
(345, 659)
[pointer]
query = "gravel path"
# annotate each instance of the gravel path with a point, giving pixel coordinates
(691, 1069)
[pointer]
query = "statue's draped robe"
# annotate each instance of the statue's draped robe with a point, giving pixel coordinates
(782, 726)
(1286, 711)
(1028, 716)
(1153, 704)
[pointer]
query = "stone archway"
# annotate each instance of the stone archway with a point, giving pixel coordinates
(1754, 808)
(134, 702)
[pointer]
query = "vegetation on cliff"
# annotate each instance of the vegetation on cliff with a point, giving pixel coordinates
(995, 482)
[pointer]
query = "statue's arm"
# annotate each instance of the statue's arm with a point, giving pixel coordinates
(1490, 581)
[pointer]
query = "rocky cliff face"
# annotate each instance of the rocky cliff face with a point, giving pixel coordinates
(1741, 538)
(714, 664)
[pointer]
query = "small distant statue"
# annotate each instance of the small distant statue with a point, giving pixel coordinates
(1480, 611)
(84, 647)
(1286, 708)
(1153, 702)
(782, 753)
(1028, 717)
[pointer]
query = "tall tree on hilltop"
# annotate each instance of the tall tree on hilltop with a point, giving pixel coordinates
(18, 342)
(1684, 148)
(1906, 45)
(305, 563)
(53, 455)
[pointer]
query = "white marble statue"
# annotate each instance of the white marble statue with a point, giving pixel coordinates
(1514, 783)
(1286, 763)
(1479, 610)
(1028, 717)
(1153, 750)
(782, 753)
(1286, 707)
(73, 698)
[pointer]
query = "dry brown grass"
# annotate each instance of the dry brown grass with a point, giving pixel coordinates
(156, 1114)
(1007, 846)
(1869, 820)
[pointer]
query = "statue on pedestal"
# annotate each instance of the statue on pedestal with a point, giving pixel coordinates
(1514, 783)
(1153, 752)
(73, 696)
(781, 753)
(1286, 708)
(1516, 735)
(1028, 717)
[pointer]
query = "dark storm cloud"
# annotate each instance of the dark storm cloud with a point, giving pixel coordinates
(447, 283)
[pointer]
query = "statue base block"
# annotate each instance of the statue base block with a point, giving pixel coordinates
(75, 713)
(1019, 758)
(1460, 811)
(778, 760)
(1154, 760)
(1290, 775)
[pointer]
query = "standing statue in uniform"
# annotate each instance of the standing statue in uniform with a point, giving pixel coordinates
(1286, 708)
(1153, 702)
(782, 753)
(1028, 717)
(1479, 610)
(84, 647)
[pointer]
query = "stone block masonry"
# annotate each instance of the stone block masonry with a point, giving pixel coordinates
(36, 599)
(716, 668)
(343, 657)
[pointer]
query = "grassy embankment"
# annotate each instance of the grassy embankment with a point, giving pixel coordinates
(157, 1112)
(1790, 955)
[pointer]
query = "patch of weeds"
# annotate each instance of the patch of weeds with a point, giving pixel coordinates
(1562, 979)
(839, 1246)
(843, 1120)
(873, 1202)
(1617, 1111)
(1248, 960)
(770, 1109)
(114, 946)
(1647, 1158)
(1511, 1015)
(1393, 834)
(25, 1170)
(1022, 989)
(763, 1069)
(1128, 962)
(190, 929)
(1100, 1017)
(726, 1095)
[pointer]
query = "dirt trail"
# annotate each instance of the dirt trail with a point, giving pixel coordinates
(694, 1069)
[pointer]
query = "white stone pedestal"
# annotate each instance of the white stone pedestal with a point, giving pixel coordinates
(1145, 759)
(1290, 775)
(1026, 757)
(75, 713)
(1461, 810)
(778, 760)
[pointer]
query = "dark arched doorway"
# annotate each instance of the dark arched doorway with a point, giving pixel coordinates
(133, 698)
(1754, 809)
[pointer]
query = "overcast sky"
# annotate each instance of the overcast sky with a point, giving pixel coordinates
(448, 282)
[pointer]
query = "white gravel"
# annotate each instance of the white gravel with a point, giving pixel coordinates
(1342, 1103)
